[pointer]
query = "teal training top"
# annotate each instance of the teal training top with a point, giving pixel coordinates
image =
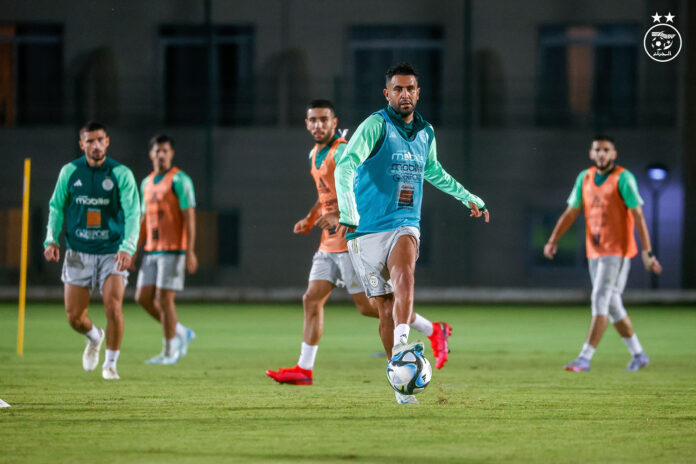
(368, 142)
(100, 206)
(628, 188)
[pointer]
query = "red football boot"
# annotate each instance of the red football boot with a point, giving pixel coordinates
(292, 375)
(438, 342)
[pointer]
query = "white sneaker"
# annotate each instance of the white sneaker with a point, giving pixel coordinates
(109, 373)
(185, 340)
(90, 357)
(163, 359)
(405, 399)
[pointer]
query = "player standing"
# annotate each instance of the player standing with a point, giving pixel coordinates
(98, 198)
(379, 182)
(331, 265)
(609, 196)
(168, 226)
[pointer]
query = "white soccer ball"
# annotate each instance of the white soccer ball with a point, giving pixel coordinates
(409, 372)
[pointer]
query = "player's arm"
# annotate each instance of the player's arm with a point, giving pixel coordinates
(189, 215)
(130, 203)
(183, 189)
(567, 218)
(56, 206)
(304, 225)
(628, 189)
(436, 175)
(143, 231)
(361, 145)
(562, 225)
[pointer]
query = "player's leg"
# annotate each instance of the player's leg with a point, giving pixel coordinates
(112, 294)
(362, 302)
(604, 272)
(76, 303)
(78, 276)
(145, 287)
(323, 277)
(165, 299)
(619, 317)
(313, 301)
(402, 267)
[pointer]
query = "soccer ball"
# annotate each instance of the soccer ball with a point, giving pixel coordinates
(409, 372)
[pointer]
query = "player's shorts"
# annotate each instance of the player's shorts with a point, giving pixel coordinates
(163, 270)
(88, 270)
(370, 253)
(337, 269)
(609, 275)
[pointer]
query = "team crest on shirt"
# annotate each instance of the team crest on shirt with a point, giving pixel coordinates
(108, 184)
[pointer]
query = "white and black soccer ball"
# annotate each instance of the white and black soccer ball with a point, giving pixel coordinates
(409, 372)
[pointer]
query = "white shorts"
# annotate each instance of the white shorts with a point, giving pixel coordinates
(370, 254)
(163, 270)
(609, 275)
(337, 269)
(88, 270)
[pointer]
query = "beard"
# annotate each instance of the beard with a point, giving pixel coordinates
(403, 111)
(605, 166)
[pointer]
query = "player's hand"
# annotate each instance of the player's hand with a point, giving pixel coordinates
(123, 261)
(475, 212)
(650, 262)
(191, 262)
(302, 227)
(132, 263)
(328, 220)
(52, 252)
(550, 250)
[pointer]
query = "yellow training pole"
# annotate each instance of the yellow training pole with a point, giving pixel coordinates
(23, 265)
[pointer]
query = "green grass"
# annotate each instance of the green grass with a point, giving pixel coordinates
(502, 397)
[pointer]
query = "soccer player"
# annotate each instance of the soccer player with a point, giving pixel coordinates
(379, 183)
(331, 265)
(99, 199)
(168, 227)
(609, 196)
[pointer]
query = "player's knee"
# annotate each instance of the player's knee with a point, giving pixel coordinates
(617, 312)
(600, 303)
(113, 309)
(310, 300)
(143, 298)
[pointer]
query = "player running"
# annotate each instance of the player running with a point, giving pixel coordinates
(608, 193)
(379, 183)
(331, 265)
(168, 227)
(99, 200)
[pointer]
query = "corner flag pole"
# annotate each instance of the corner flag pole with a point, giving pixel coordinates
(23, 265)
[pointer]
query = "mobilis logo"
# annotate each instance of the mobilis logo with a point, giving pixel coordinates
(662, 42)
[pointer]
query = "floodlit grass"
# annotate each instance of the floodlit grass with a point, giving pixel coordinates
(502, 397)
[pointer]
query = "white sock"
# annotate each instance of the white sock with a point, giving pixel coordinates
(587, 351)
(401, 334)
(633, 344)
(93, 334)
(111, 358)
(169, 346)
(422, 325)
(308, 354)
(181, 329)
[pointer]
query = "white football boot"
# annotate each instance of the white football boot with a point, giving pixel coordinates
(109, 373)
(405, 399)
(90, 357)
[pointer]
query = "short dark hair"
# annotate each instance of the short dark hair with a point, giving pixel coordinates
(92, 126)
(160, 138)
(401, 69)
(321, 103)
(603, 138)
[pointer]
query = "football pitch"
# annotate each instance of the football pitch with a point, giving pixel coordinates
(502, 397)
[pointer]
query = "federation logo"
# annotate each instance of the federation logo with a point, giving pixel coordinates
(662, 42)
(374, 282)
(107, 184)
